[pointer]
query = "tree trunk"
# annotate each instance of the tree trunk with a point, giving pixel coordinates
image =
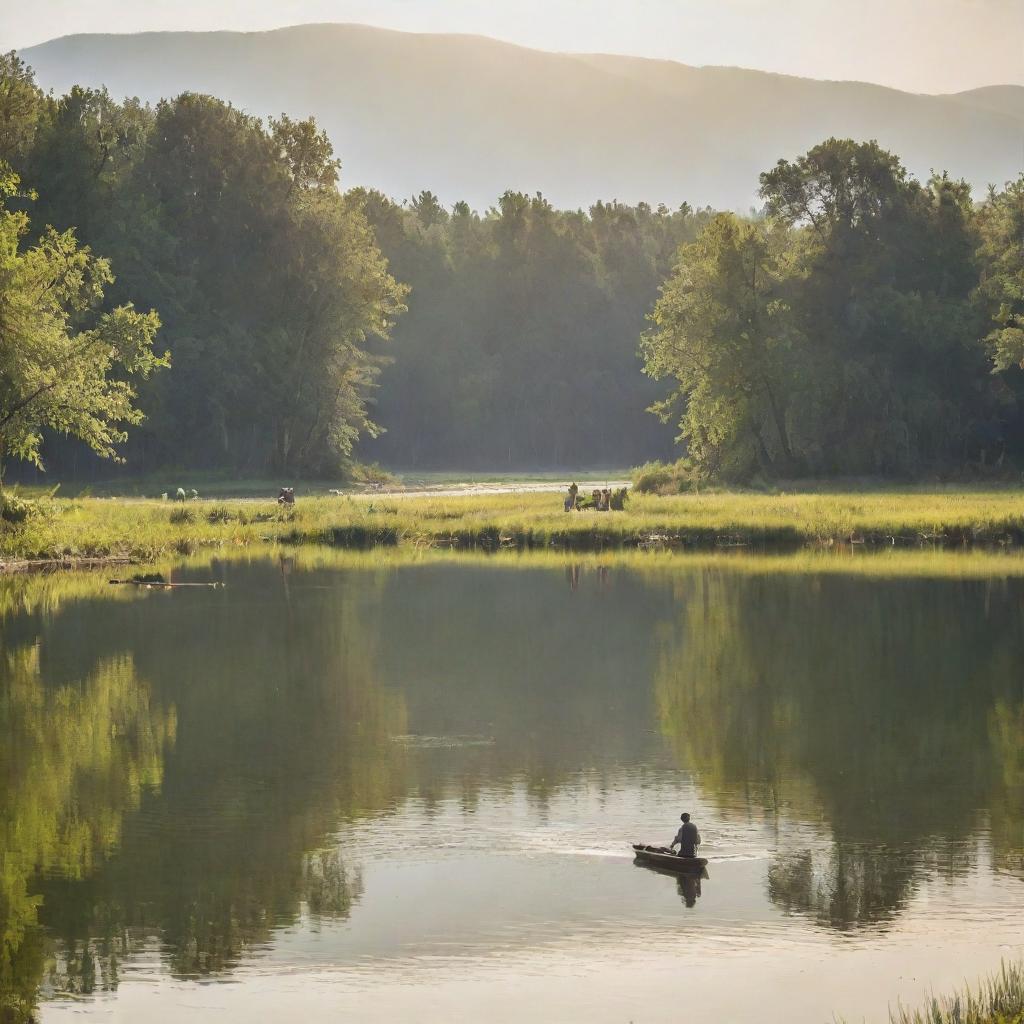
(779, 419)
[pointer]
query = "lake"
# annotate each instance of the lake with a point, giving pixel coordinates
(336, 789)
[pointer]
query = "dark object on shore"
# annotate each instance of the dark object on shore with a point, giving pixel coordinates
(663, 857)
(286, 496)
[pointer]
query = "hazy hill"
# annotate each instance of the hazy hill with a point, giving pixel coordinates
(469, 117)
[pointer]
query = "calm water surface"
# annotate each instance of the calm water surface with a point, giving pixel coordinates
(343, 793)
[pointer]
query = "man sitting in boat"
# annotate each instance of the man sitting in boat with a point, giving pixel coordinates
(687, 838)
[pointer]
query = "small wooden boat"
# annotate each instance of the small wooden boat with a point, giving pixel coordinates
(663, 857)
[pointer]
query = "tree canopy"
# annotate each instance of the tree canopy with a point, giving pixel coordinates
(861, 323)
(58, 355)
(269, 283)
(844, 333)
(519, 348)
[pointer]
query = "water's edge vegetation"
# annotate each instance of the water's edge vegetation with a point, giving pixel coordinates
(688, 612)
(70, 531)
(997, 1000)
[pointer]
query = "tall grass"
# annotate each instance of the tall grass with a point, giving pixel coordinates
(146, 529)
(998, 1000)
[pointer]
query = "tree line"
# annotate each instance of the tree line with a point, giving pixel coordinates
(519, 345)
(271, 293)
(865, 324)
(860, 323)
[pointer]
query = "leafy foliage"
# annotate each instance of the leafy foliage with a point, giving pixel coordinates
(1001, 223)
(850, 329)
(841, 335)
(269, 283)
(56, 372)
(519, 346)
(723, 331)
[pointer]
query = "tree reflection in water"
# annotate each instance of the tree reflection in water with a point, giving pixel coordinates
(284, 734)
(74, 760)
(887, 711)
(199, 808)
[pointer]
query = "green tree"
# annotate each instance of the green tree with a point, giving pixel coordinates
(722, 330)
(64, 365)
(334, 293)
(882, 271)
(21, 101)
(307, 152)
(1001, 289)
(271, 288)
(839, 336)
(519, 344)
(85, 146)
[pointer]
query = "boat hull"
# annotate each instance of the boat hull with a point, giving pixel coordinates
(666, 860)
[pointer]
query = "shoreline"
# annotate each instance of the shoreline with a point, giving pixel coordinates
(93, 532)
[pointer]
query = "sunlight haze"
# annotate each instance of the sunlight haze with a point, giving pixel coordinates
(909, 44)
(511, 510)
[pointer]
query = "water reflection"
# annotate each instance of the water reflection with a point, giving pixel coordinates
(890, 711)
(689, 889)
(688, 884)
(74, 761)
(283, 732)
(178, 766)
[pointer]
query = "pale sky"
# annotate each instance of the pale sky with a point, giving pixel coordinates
(919, 45)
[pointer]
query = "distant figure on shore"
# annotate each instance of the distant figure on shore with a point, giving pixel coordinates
(687, 838)
(604, 502)
(570, 498)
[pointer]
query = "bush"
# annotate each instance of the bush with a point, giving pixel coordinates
(17, 511)
(219, 514)
(183, 516)
(373, 475)
(664, 478)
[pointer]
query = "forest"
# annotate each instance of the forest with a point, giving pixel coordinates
(199, 276)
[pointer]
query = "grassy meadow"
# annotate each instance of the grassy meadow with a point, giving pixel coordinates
(146, 529)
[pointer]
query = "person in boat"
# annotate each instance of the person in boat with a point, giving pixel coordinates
(687, 838)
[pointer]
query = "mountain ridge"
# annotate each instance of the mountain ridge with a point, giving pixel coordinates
(469, 117)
